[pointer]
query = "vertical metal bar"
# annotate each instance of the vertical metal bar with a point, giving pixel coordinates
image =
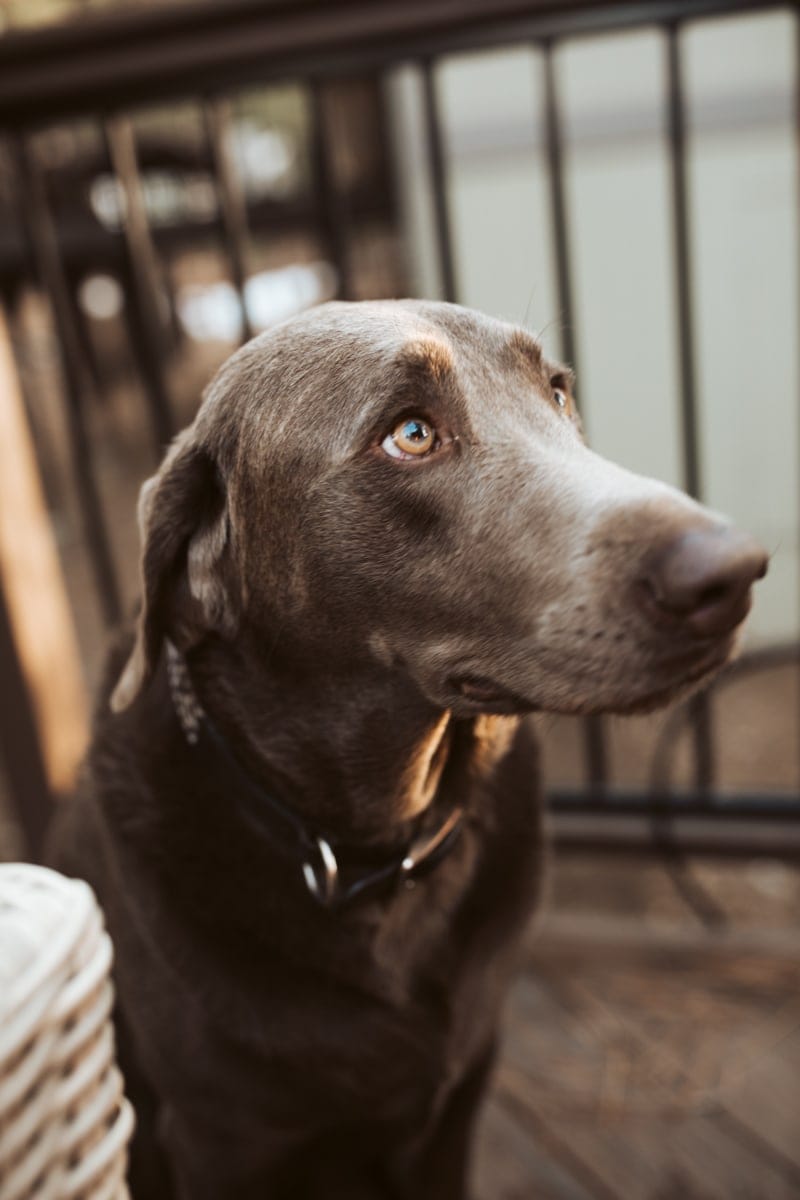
(149, 305)
(595, 747)
(676, 128)
(690, 435)
(332, 215)
(797, 141)
(230, 196)
(796, 67)
(41, 233)
(436, 160)
(20, 748)
(558, 208)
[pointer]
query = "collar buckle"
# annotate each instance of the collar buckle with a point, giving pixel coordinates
(322, 879)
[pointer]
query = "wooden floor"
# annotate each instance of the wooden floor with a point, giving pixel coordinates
(646, 1057)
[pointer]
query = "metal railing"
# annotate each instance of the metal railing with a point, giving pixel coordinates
(106, 67)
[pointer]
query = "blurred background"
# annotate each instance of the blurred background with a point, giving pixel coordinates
(621, 178)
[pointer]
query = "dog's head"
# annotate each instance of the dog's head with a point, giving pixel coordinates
(406, 485)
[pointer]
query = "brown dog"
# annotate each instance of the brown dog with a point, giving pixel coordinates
(313, 815)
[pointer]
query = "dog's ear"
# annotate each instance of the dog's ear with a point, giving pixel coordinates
(186, 591)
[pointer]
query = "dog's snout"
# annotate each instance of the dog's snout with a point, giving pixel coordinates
(702, 579)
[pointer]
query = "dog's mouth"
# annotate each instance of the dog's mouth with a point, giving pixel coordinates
(487, 696)
(678, 674)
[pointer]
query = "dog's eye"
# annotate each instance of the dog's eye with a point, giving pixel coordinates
(412, 437)
(560, 397)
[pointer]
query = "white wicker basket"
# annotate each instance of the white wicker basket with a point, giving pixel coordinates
(64, 1121)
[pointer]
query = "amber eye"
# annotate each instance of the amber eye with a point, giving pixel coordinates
(560, 397)
(412, 437)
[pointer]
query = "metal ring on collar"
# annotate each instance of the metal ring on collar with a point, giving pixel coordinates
(322, 884)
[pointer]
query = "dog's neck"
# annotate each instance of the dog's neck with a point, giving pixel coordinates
(359, 753)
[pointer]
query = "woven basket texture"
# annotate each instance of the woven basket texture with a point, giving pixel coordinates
(65, 1123)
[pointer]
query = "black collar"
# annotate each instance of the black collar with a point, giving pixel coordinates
(335, 872)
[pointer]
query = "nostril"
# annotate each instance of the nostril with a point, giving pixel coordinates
(716, 594)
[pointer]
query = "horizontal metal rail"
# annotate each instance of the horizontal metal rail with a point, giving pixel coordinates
(81, 239)
(105, 62)
(739, 806)
(685, 836)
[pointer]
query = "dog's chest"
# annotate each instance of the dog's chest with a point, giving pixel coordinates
(382, 1019)
(375, 1022)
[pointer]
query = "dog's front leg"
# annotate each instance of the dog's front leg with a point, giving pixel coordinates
(438, 1168)
(210, 1163)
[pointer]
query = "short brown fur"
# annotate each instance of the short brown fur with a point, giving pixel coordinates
(344, 615)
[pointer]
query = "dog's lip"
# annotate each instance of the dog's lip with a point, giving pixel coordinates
(703, 666)
(487, 695)
(482, 694)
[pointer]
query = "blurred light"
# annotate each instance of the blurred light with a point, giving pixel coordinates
(266, 160)
(101, 297)
(170, 198)
(212, 312)
(107, 198)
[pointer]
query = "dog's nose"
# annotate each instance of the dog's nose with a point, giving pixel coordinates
(703, 579)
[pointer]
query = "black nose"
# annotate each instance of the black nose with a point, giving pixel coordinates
(703, 577)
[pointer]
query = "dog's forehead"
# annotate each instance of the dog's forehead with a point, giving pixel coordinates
(370, 338)
(434, 334)
(334, 366)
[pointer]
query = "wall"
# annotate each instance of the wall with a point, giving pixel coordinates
(742, 175)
